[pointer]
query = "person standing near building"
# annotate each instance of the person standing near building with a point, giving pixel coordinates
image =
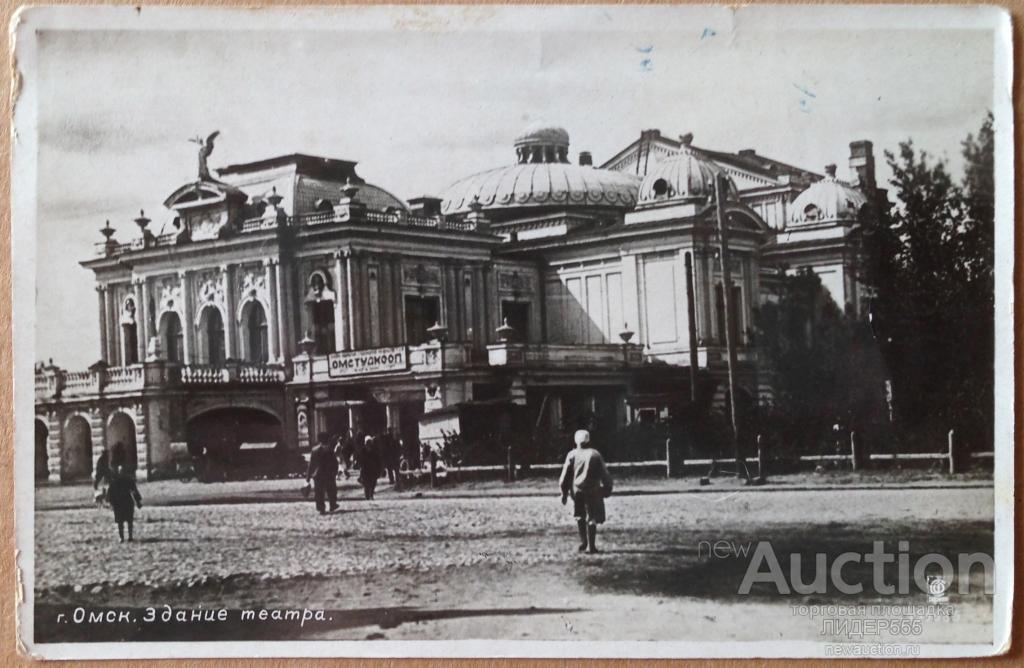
(346, 452)
(103, 475)
(323, 469)
(124, 497)
(585, 477)
(369, 461)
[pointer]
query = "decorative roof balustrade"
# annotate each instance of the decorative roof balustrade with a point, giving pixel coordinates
(53, 383)
(266, 223)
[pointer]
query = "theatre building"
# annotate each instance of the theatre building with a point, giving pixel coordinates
(288, 296)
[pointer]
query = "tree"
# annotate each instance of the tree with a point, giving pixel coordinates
(931, 268)
(825, 365)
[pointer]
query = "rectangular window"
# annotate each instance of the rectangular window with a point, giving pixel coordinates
(517, 315)
(421, 313)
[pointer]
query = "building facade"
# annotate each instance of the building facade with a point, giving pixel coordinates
(288, 297)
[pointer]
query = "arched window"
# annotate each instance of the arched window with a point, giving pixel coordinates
(660, 188)
(212, 327)
(129, 333)
(320, 300)
(172, 337)
(811, 212)
(255, 319)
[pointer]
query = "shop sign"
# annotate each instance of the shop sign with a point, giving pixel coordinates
(359, 362)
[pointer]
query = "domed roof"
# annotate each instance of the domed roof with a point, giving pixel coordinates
(687, 176)
(540, 133)
(542, 177)
(542, 184)
(827, 201)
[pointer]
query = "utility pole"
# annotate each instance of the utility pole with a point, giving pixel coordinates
(691, 311)
(730, 345)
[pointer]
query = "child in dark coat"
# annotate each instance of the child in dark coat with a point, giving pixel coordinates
(124, 496)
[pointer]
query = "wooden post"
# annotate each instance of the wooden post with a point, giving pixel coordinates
(762, 458)
(854, 451)
(510, 465)
(954, 464)
(433, 469)
(730, 344)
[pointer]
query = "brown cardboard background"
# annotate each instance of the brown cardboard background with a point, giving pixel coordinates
(10, 593)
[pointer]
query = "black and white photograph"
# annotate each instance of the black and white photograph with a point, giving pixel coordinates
(568, 331)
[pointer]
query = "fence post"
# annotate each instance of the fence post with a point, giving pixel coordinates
(954, 464)
(762, 458)
(854, 451)
(510, 465)
(433, 469)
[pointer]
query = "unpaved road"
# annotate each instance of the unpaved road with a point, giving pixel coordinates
(499, 567)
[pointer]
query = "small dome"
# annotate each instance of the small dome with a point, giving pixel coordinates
(688, 176)
(827, 201)
(543, 134)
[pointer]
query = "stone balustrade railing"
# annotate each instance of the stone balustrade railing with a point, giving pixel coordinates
(356, 215)
(53, 382)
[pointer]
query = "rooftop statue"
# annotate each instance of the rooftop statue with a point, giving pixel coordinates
(205, 149)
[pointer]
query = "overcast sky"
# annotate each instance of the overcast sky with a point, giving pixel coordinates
(421, 108)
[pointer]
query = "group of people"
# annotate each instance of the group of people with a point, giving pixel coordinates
(117, 480)
(373, 455)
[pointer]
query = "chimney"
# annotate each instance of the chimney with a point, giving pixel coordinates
(747, 153)
(586, 160)
(425, 207)
(862, 166)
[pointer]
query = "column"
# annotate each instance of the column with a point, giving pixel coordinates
(703, 293)
(143, 325)
(113, 325)
(140, 321)
(489, 301)
(281, 312)
(340, 303)
(398, 302)
(274, 352)
(679, 297)
(349, 299)
(384, 306)
(188, 332)
(101, 293)
(229, 308)
(393, 417)
(479, 319)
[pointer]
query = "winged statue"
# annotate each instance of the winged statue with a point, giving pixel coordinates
(205, 149)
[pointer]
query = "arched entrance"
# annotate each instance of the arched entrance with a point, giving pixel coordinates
(211, 338)
(76, 457)
(121, 441)
(172, 336)
(237, 440)
(42, 463)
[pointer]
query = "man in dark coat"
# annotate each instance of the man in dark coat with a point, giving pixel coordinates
(124, 498)
(369, 466)
(323, 469)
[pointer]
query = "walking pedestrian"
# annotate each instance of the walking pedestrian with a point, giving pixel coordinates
(369, 466)
(124, 498)
(346, 452)
(323, 469)
(585, 477)
(103, 475)
(389, 455)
